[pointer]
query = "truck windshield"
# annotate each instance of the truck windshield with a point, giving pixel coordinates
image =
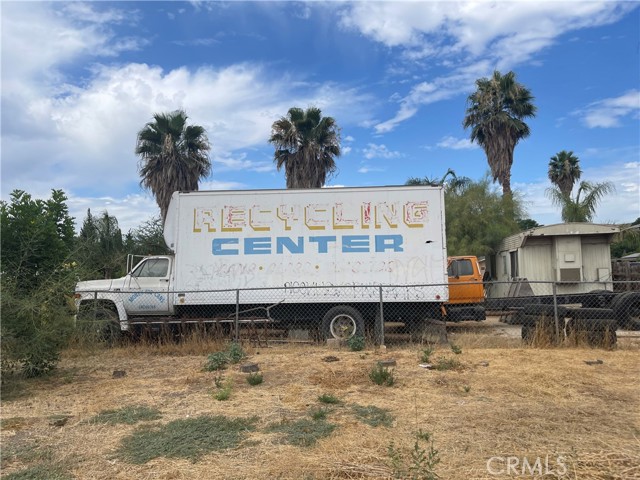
(157, 267)
(460, 267)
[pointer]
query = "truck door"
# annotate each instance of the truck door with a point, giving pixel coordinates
(148, 287)
(465, 281)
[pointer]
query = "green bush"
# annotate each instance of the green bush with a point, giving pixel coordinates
(220, 360)
(254, 379)
(235, 353)
(419, 464)
(216, 361)
(425, 355)
(35, 326)
(356, 343)
(444, 363)
(223, 394)
(382, 375)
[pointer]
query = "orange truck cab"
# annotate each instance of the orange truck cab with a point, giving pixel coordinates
(466, 291)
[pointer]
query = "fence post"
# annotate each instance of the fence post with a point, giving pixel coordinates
(237, 321)
(380, 319)
(555, 311)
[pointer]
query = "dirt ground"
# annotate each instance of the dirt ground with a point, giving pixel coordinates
(499, 404)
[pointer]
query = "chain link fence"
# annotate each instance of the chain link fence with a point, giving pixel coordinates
(305, 313)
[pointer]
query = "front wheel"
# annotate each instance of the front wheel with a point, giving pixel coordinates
(342, 322)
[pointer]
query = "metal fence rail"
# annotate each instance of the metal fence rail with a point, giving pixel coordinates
(306, 312)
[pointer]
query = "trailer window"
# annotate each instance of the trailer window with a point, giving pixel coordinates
(514, 264)
(153, 268)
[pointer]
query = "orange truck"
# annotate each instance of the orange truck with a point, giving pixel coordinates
(466, 290)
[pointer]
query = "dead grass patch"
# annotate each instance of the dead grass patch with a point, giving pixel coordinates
(526, 402)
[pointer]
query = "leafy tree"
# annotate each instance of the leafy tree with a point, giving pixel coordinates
(564, 171)
(147, 239)
(527, 223)
(101, 245)
(37, 280)
(495, 114)
(173, 156)
(37, 237)
(456, 183)
(629, 241)
(306, 145)
(581, 208)
(478, 218)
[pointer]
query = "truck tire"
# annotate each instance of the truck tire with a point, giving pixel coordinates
(626, 307)
(528, 332)
(543, 309)
(595, 332)
(101, 324)
(600, 299)
(342, 322)
(592, 314)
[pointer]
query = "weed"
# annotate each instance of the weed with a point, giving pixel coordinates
(29, 453)
(216, 361)
(425, 355)
(329, 399)
(318, 413)
(254, 379)
(187, 438)
(219, 360)
(356, 343)
(420, 464)
(304, 432)
(223, 394)
(456, 349)
(373, 416)
(444, 363)
(127, 415)
(466, 388)
(235, 353)
(382, 375)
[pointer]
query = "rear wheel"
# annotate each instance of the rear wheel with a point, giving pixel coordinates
(627, 310)
(343, 322)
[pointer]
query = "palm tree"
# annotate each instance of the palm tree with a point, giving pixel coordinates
(173, 156)
(306, 146)
(564, 171)
(456, 184)
(582, 208)
(495, 113)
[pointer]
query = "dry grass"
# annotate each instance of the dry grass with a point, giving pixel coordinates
(527, 403)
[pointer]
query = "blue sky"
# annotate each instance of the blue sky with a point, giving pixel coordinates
(80, 79)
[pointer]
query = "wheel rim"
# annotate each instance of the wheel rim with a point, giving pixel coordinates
(343, 326)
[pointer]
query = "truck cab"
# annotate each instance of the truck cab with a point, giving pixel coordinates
(466, 290)
(144, 291)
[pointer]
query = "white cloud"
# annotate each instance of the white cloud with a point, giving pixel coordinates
(456, 143)
(369, 169)
(608, 113)
(480, 35)
(379, 151)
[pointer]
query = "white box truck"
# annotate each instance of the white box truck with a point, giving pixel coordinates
(315, 255)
